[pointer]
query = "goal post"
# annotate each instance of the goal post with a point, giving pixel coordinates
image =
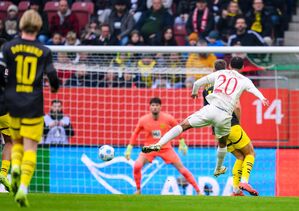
(106, 89)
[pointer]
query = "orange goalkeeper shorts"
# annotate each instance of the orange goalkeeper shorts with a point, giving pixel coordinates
(167, 154)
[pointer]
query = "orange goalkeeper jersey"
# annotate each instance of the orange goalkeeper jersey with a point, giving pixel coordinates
(154, 129)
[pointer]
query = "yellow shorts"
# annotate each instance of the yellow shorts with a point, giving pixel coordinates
(4, 124)
(31, 128)
(237, 138)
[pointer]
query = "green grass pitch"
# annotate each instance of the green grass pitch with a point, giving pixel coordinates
(72, 202)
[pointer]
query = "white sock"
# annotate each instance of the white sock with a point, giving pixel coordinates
(24, 188)
(221, 152)
(171, 134)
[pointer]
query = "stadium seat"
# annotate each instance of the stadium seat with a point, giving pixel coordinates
(23, 6)
(51, 8)
(3, 9)
(180, 34)
(83, 11)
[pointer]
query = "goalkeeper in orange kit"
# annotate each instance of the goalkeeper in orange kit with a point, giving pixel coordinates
(155, 125)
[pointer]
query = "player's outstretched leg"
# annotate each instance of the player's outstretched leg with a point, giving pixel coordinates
(151, 148)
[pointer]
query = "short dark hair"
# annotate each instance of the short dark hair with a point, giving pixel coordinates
(155, 100)
(220, 64)
(236, 62)
(56, 101)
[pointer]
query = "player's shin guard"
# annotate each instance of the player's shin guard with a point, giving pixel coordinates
(137, 174)
(189, 177)
(221, 152)
(5, 167)
(17, 152)
(28, 167)
(171, 134)
(237, 173)
(246, 168)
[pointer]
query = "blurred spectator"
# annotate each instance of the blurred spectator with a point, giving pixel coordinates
(184, 7)
(193, 39)
(243, 36)
(2, 31)
(204, 61)
(153, 21)
(167, 4)
(216, 8)
(176, 61)
(213, 40)
(91, 32)
(82, 78)
(122, 60)
(137, 8)
(64, 21)
(11, 22)
(226, 24)
(145, 66)
(166, 38)
(55, 40)
(259, 20)
(280, 16)
(105, 37)
(110, 79)
(103, 10)
(128, 80)
(121, 21)
(71, 39)
(58, 126)
(135, 38)
(201, 20)
(44, 33)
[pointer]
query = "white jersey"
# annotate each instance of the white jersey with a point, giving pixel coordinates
(228, 87)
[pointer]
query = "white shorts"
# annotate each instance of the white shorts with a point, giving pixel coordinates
(211, 115)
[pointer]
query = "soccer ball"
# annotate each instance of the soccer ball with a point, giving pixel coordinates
(106, 152)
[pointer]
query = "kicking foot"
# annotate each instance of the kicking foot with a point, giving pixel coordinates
(5, 182)
(15, 180)
(248, 188)
(239, 193)
(220, 171)
(151, 148)
(21, 198)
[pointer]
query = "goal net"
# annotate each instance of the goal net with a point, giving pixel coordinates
(105, 90)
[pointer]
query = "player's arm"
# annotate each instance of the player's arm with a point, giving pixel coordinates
(133, 139)
(252, 89)
(209, 79)
(51, 74)
(237, 110)
(2, 67)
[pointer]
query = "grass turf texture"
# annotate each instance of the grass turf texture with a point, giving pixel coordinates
(73, 202)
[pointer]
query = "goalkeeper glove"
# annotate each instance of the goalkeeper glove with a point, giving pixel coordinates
(128, 151)
(183, 148)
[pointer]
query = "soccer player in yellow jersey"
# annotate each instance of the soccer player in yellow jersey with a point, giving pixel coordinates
(4, 132)
(238, 144)
(27, 60)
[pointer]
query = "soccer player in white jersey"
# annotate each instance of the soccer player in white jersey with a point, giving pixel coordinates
(228, 87)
